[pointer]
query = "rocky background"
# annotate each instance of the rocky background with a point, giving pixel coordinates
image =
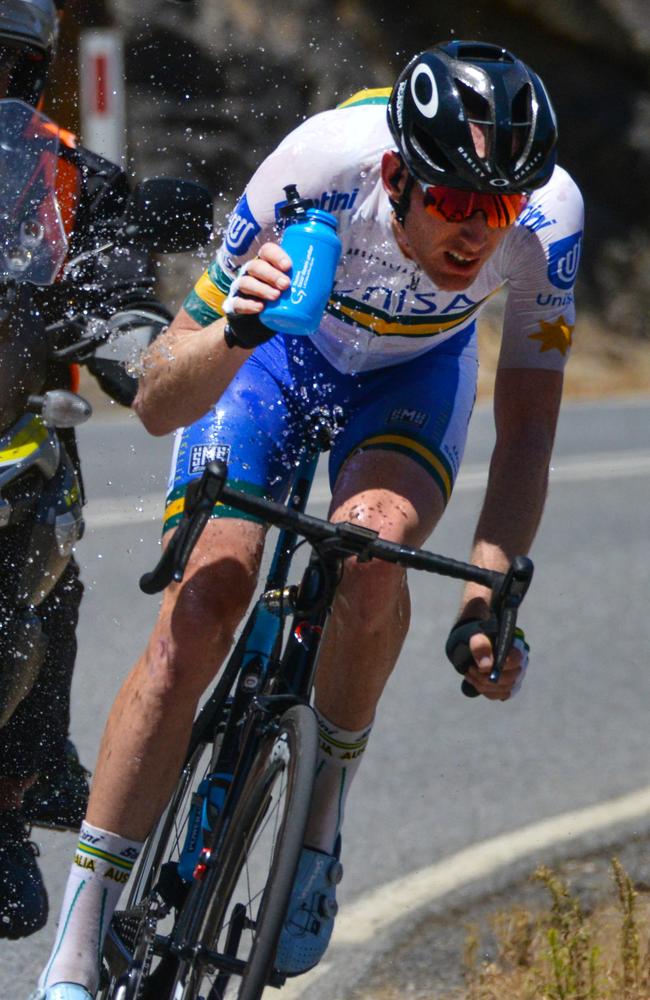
(213, 85)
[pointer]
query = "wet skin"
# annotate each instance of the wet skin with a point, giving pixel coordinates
(146, 734)
(434, 245)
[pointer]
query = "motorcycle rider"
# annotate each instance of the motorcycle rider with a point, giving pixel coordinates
(41, 778)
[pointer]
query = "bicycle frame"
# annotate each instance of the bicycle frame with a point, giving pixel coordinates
(253, 666)
(259, 645)
(267, 680)
(271, 672)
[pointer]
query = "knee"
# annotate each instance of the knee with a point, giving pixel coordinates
(195, 632)
(212, 602)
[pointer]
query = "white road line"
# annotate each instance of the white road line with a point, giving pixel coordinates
(579, 468)
(361, 927)
(576, 469)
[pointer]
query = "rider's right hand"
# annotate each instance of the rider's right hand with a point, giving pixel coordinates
(259, 281)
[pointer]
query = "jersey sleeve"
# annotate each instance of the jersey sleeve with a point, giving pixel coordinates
(541, 263)
(303, 158)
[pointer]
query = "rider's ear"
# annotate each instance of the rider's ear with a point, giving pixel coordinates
(393, 172)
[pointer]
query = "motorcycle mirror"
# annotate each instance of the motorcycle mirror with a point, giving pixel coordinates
(169, 215)
(60, 408)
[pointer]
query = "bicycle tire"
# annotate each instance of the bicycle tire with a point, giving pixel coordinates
(162, 847)
(287, 760)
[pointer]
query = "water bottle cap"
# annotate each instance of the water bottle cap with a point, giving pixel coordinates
(320, 215)
(295, 207)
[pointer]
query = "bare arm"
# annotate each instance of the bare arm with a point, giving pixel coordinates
(185, 372)
(526, 407)
(188, 368)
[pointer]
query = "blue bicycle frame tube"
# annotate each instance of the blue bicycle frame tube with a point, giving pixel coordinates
(267, 625)
(298, 497)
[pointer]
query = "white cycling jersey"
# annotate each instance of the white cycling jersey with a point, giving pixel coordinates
(384, 309)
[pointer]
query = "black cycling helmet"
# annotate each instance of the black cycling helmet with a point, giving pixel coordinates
(28, 33)
(445, 89)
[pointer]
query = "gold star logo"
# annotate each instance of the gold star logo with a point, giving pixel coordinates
(555, 336)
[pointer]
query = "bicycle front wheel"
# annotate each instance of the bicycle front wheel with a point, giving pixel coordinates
(242, 903)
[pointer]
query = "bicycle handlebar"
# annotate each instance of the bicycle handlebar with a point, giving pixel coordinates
(345, 539)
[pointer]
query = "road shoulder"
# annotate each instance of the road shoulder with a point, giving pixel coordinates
(428, 961)
(414, 930)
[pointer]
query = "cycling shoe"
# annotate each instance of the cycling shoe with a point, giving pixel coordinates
(59, 798)
(312, 908)
(23, 899)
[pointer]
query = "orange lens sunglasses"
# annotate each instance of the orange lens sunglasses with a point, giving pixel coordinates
(455, 205)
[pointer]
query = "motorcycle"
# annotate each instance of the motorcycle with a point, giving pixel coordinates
(105, 319)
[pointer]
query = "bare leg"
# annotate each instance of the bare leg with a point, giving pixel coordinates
(146, 738)
(149, 725)
(389, 493)
(372, 609)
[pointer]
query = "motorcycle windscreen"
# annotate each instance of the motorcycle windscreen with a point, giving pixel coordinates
(33, 242)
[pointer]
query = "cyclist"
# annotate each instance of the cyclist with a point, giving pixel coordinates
(41, 778)
(445, 189)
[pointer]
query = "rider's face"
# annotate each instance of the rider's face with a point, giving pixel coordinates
(450, 253)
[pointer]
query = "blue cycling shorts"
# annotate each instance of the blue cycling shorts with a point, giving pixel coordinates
(420, 408)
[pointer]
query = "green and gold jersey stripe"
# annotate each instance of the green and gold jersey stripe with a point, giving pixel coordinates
(382, 324)
(112, 859)
(199, 310)
(176, 504)
(378, 95)
(205, 301)
(434, 463)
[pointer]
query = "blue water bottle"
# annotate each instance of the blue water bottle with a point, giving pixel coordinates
(311, 242)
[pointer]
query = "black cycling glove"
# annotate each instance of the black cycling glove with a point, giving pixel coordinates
(457, 646)
(458, 651)
(243, 330)
(246, 331)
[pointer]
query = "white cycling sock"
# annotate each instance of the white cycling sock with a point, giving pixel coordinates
(101, 867)
(339, 756)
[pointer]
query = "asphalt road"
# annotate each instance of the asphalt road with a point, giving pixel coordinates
(442, 773)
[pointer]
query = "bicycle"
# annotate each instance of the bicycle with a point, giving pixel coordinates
(209, 896)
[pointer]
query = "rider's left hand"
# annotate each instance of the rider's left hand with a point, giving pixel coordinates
(512, 673)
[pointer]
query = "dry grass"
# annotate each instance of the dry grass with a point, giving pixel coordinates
(553, 950)
(563, 953)
(602, 363)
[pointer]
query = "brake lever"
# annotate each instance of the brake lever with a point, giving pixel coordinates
(505, 605)
(499, 627)
(200, 498)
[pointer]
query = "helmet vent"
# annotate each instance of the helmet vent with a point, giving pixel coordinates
(476, 52)
(420, 140)
(477, 108)
(523, 125)
(521, 106)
